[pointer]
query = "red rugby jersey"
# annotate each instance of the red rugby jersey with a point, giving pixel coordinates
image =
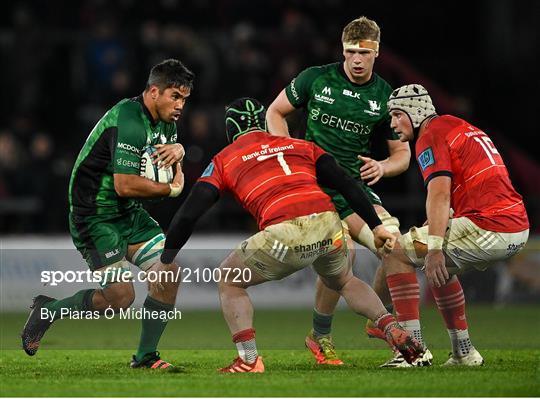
(272, 177)
(481, 188)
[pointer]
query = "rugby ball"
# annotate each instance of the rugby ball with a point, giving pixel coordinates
(151, 171)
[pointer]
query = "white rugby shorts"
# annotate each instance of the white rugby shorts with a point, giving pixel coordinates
(467, 245)
(284, 248)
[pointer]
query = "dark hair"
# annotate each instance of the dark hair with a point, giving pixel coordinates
(170, 73)
(244, 115)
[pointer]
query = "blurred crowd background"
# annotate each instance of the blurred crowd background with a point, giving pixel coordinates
(65, 63)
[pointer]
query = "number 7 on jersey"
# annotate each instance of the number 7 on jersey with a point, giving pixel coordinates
(280, 159)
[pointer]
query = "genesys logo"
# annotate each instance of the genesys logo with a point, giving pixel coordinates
(129, 163)
(334, 121)
(128, 147)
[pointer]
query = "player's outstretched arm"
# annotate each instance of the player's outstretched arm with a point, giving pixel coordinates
(398, 162)
(276, 113)
(201, 198)
(331, 175)
(399, 158)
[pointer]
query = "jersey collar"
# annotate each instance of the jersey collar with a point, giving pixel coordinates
(341, 69)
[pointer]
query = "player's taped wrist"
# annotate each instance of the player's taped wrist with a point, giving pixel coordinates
(434, 243)
(176, 190)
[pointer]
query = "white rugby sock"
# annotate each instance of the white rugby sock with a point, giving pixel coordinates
(247, 350)
(245, 343)
(461, 343)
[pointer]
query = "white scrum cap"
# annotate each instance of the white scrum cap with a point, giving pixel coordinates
(414, 100)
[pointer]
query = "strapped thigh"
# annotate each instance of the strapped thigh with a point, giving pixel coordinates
(149, 253)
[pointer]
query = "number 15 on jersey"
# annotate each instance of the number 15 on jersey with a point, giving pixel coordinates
(488, 147)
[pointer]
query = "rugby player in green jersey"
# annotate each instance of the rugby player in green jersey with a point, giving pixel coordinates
(108, 225)
(346, 107)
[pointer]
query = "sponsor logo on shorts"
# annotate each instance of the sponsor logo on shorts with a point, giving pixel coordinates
(426, 158)
(512, 249)
(112, 253)
(313, 246)
(456, 252)
(314, 249)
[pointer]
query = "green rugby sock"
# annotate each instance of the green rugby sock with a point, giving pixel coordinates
(152, 328)
(322, 323)
(80, 301)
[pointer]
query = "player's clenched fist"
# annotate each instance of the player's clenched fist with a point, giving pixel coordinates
(384, 240)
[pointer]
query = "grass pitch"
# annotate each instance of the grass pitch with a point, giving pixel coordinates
(89, 358)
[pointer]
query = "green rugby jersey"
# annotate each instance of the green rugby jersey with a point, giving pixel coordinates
(114, 145)
(342, 115)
